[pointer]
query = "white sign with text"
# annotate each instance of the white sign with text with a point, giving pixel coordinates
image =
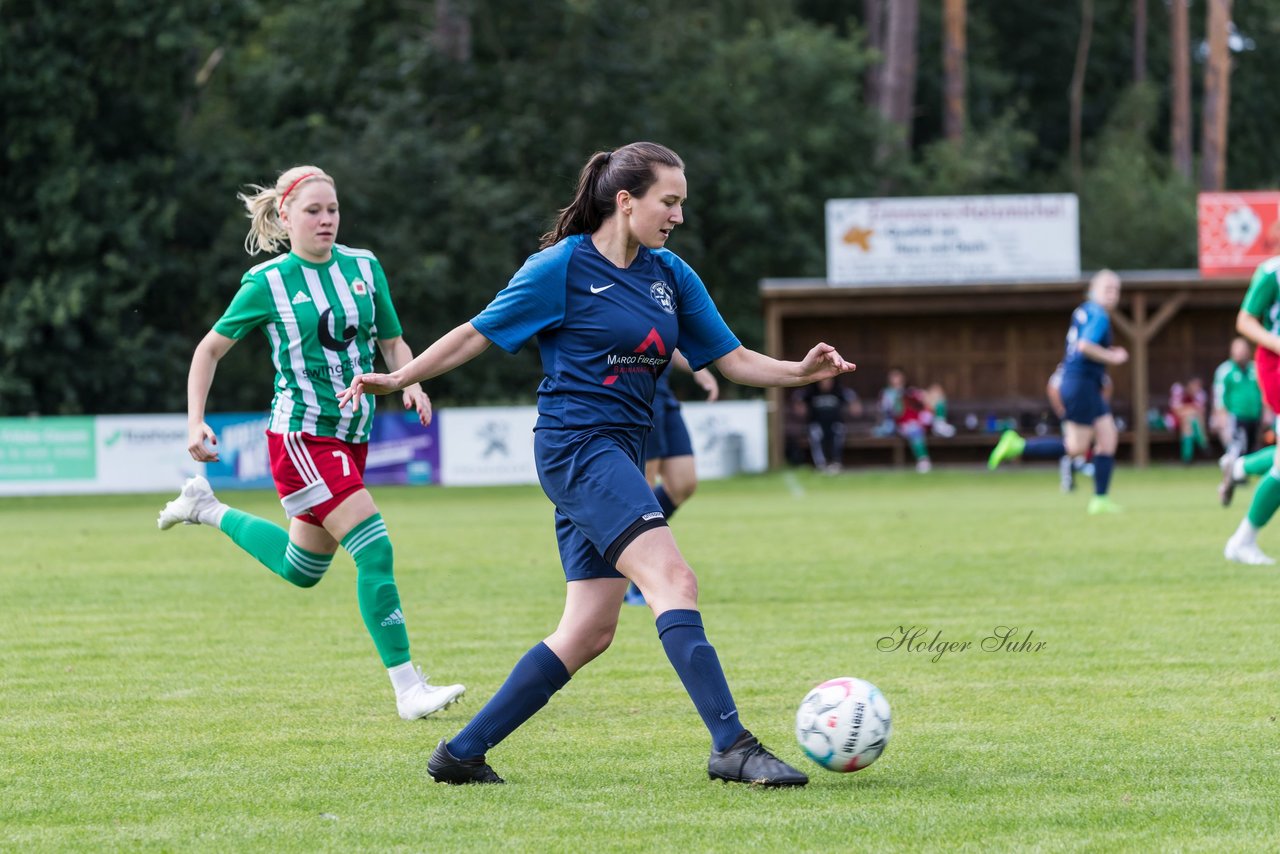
(953, 239)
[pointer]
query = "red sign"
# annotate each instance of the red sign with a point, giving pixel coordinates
(1238, 231)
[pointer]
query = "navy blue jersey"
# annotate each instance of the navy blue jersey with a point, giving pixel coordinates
(1089, 322)
(605, 334)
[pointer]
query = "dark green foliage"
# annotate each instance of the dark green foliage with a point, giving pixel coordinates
(1139, 210)
(121, 157)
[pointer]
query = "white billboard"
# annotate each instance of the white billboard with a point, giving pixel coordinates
(494, 445)
(953, 239)
(728, 436)
(487, 445)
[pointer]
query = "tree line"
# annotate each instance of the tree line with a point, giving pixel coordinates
(455, 129)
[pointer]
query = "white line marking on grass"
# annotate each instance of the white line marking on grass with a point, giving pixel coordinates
(793, 484)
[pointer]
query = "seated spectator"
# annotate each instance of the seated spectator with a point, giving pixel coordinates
(907, 410)
(936, 399)
(1187, 405)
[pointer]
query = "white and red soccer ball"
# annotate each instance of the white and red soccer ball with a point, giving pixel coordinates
(843, 724)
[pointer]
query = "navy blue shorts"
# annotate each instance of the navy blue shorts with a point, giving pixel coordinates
(596, 481)
(1082, 398)
(670, 435)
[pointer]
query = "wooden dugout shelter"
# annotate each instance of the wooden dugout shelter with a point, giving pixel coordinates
(993, 346)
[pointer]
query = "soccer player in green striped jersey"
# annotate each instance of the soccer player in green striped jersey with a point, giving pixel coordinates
(1259, 322)
(325, 309)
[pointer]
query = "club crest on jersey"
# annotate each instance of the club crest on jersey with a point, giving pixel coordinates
(359, 287)
(663, 296)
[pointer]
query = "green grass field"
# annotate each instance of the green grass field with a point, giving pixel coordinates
(161, 691)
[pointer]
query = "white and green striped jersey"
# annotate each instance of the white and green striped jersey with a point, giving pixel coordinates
(322, 321)
(1262, 300)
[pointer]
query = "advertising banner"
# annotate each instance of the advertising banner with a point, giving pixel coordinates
(729, 436)
(1238, 231)
(143, 453)
(487, 445)
(952, 239)
(83, 454)
(47, 455)
(243, 462)
(462, 447)
(401, 451)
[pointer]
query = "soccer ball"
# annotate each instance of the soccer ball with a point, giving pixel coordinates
(843, 724)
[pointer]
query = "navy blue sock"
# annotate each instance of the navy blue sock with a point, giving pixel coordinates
(1102, 464)
(664, 500)
(537, 675)
(699, 669)
(1043, 448)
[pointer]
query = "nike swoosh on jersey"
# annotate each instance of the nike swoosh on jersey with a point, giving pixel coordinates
(601, 290)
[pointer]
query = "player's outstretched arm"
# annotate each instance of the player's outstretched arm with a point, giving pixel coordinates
(747, 367)
(456, 347)
(202, 443)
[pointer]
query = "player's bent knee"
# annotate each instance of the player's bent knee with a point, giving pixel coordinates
(683, 582)
(596, 642)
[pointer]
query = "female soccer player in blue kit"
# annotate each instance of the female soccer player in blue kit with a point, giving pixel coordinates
(608, 304)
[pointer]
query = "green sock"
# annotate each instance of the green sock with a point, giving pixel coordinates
(1266, 498)
(370, 547)
(918, 448)
(1188, 447)
(269, 543)
(1198, 435)
(1260, 461)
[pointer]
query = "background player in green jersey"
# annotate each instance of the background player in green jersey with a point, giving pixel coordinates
(1236, 416)
(1259, 321)
(324, 308)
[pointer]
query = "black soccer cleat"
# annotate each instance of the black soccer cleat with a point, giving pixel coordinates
(445, 768)
(747, 761)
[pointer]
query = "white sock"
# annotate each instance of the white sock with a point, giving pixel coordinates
(213, 516)
(1246, 534)
(403, 677)
(1237, 469)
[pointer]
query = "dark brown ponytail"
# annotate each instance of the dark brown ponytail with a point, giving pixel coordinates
(629, 168)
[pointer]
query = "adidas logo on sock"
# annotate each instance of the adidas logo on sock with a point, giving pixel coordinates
(301, 297)
(395, 618)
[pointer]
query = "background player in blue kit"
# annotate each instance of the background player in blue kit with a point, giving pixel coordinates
(609, 305)
(668, 454)
(1088, 419)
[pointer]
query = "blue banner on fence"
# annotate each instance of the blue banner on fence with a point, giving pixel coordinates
(401, 451)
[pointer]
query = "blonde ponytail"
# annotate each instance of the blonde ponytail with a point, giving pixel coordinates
(265, 204)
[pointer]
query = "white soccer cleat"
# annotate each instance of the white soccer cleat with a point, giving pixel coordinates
(923, 465)
(425, 699)
(1248, 553)
(196, 497)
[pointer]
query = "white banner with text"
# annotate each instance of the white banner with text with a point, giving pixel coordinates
(952, 239)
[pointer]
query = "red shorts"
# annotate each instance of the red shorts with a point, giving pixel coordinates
(1269, 377)
(313, 474)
